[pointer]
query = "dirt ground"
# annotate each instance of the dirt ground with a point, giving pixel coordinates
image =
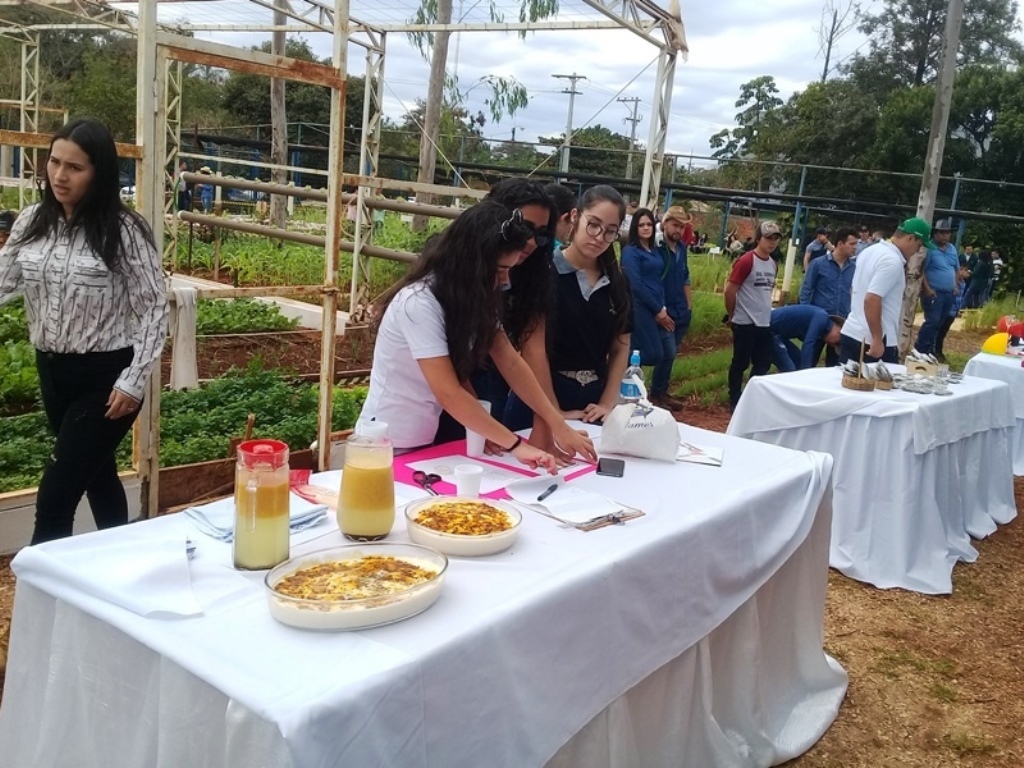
(935, 682)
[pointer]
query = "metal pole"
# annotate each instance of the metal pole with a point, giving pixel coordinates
(573, 93)
(794, 240)
(672, 180)
(933, 164)
(725, 224)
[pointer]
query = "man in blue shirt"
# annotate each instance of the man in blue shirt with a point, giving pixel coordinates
(812, 325)
(819, 246)
(678, 302)
(938, 285)
(828, 283)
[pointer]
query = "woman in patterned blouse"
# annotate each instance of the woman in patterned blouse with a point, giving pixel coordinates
(97, 313)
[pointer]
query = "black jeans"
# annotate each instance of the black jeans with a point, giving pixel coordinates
(751, 345)
(849, 349)
(75, 390)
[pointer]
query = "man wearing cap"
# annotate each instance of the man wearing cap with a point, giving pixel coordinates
(6, 224)
(938, 285)
(813, 326)
(877, 299)
(748, 308)
(678, 302)
(865, 241)
(819, 246)
(829, 281)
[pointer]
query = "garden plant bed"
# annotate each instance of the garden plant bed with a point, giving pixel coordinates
(296, 351)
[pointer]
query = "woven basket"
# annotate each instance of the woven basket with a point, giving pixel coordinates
(855, 382)
(885, 385)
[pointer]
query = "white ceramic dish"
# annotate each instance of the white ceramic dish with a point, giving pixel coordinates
(460, 545)
(359, 613)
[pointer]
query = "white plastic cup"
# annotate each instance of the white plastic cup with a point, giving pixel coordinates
(467, 480)
(475, 442)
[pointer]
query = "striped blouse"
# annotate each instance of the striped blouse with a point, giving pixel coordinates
(74, 304)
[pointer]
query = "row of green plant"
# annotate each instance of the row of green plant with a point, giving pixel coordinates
(195, 425)
(215, 316)
(252, 260)
(987, 316)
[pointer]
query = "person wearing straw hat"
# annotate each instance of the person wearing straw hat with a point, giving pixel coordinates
(877, 299)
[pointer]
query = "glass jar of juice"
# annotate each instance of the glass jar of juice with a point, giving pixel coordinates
(261, 505)
(366, 504)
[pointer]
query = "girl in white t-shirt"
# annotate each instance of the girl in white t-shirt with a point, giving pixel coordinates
(440, 323)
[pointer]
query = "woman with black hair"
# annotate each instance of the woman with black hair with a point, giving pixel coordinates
(589, 330)
(645, 268)
(97, 312)
(441, 322)
(565, 203)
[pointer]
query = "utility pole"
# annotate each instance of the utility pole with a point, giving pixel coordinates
(573, 93)
(432, 111)
(634, 118)
(278, 120)
(932, 164)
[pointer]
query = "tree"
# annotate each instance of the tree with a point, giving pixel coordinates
(906, 40)
(105, 87)
(756, 134)
(595, 150)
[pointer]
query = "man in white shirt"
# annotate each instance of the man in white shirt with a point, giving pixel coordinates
(877, 297)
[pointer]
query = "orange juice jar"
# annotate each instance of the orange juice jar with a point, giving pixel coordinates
(261, 505)
(366, 504)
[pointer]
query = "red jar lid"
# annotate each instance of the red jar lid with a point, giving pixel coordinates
(263, 453)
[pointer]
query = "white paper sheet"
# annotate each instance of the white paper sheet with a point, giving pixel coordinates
(698, 454)
(494, 478)
(567, 502)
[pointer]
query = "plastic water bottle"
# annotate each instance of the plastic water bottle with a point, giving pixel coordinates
(629, 391)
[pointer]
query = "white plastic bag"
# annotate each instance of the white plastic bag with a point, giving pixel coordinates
(641, 429)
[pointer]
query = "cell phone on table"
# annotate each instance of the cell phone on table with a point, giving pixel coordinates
(611, 467)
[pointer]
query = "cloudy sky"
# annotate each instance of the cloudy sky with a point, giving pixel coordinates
(730, 43)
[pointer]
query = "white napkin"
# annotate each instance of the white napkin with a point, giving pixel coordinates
(140, 567)
(217, 519)
(568, 503)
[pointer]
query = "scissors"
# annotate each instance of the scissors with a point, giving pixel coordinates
(426, 481)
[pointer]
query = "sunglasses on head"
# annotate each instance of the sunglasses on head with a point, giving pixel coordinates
(540, 236)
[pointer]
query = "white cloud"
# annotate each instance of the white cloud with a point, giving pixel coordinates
(730, 43)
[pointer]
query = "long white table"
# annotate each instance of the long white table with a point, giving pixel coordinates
(695, 630)
(1009, 369)
(916, 476)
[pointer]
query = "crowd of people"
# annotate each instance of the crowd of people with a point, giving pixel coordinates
(530, 302)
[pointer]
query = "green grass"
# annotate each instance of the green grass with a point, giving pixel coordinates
(987, 317)
(705, 377)
(964, 744)
(943, 692)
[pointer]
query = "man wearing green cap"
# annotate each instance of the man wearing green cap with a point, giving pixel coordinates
(877, 296)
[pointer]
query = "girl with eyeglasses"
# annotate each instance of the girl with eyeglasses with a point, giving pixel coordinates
(587, 334)
(440, 323)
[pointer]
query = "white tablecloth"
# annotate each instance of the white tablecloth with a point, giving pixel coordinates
(916, 476)
(1008, 369)
(599, 648)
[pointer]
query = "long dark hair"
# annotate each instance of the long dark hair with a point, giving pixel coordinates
(532, 291)
(460, 266)
(634, 228)
(621, 302)
(100, 211)
(563, 198)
